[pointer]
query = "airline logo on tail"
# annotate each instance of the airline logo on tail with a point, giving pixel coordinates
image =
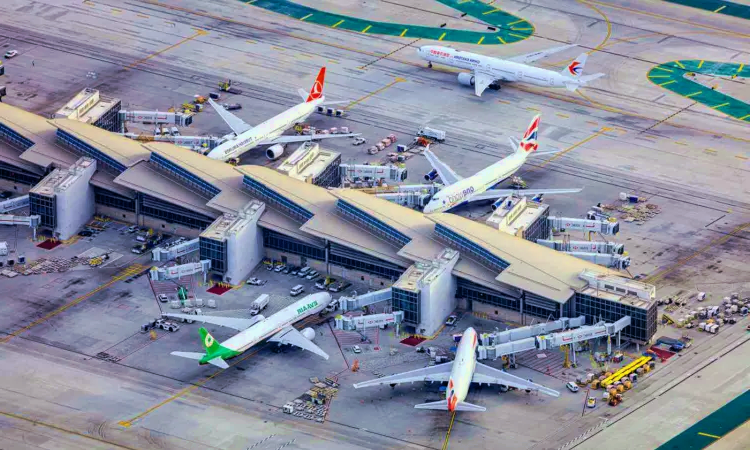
(529, 143)
(317, 90)
(575, 68)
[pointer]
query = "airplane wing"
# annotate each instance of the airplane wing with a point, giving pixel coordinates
(531, 57)
(489, 375)
(443, 405)
(494, 194)
(446, 173)
(482, 80)
(229, 322)
(291, 336)
(304, 138)
(237, 125)
(441, 372)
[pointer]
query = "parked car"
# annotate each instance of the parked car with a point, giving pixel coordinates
(338, 287)
(279, 268)
(132, 229)
(591, 402)
(256, 282)
(356, 349)
(10, 54)
(321, 283)
(297, 290)
(163, 298)
(286, 270)
(304, 271)
(85, 233)
(451, 321)
(359, 141)
(571, 386)
(295, 271)
(312, 275)
(6, 194)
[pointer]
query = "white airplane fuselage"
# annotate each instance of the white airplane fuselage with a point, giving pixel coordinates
(311, 304)
(500, 69)
(270, 129)
(462, 191)
(463, 369)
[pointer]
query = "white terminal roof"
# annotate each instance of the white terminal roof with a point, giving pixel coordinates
(534, 268)
(308, 161)
(229, 224)
(518, 218)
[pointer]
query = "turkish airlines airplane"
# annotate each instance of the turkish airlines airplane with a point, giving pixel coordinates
(459, 374)
(270, 132)
(276, 328)
(458, 190)
(489, 72)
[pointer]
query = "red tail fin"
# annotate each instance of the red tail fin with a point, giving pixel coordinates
(317, 90)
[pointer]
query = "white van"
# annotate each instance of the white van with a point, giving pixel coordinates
(297, 290)
(304, 271)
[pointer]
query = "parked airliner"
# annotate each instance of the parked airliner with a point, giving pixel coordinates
(276, 328)
(270, 132)
(458, 191)
(459, 374)
(489, 72)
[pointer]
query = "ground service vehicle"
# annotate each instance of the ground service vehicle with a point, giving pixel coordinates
(297, 290)
(259, 304)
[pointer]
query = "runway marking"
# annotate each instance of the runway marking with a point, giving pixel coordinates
(480, 40)
(278, 48)
(250, 2)
(565, 116)
(574, 146)
(700, 64)
(606, 20)
(742, 66)
(448, 434)
(663, 68)
(680, 64)
(191, 387)
(693, 94)
(660, 76)
(516, 22)
(334, 61)
(718, 241)
(366, 28)
(667, 82)
(491, 11)
(127, 273)
(680, 143)
(501, 39)
(403, 32)
(189, 38)
(143, 16)
(719, 106)
(461, 2)
(306, 17)
(64, 430)
(744, 117)
(442, 36)
(514, 35)
(710, 150)
(717, 10)
(741, 157)
(375, 92)
(338, 23)
(521, 29)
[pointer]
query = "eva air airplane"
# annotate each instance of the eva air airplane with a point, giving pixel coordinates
(276, 328)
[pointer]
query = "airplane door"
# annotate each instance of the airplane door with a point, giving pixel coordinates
(551, 80)
(519, 75)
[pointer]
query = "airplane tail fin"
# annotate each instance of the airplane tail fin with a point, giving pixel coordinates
(529, 142)
(443, 406)
(209, 343)
(317, 90)
(575, 69)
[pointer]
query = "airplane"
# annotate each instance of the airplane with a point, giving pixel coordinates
(270, 132)
(459, 374)
(489, 72)
(458, 190)
(276, 328)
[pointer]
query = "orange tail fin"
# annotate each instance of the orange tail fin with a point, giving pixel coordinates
(317, 90)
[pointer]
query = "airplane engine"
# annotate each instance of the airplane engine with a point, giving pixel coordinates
(466, 79)
(308, 333)
(498, 203)
(274, 151)
(431, 175)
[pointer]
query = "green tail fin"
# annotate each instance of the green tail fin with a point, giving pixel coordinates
(209, 343)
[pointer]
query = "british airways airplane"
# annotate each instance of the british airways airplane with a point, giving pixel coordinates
(459, 374)
(458, 191)
(270, 132)
(487, 71)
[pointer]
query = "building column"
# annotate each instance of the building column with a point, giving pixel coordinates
(520, 303)
(327, 249)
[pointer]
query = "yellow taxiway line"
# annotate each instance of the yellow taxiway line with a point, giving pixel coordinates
(448, 434)
(157, 53)
(375, 92)
(572, 147)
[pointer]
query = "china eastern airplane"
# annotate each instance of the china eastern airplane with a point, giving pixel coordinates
(487, 71)
(270, 132)
(276, 328)
(459, 374)
(458, 191)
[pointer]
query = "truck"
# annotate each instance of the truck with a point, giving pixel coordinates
(3, 248)
(674, 344)
(258, 304)
(431, 133)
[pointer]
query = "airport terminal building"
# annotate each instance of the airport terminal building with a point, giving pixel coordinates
(344, 232)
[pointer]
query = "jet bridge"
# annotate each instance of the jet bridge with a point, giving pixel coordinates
(170, 253)
(30, 221)
(611, 248)
(359, 323)
(13, 204)
(360, 301)
(548, 341)
(156, 117)
(176, 272)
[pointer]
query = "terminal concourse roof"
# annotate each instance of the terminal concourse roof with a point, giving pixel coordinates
(124, 150)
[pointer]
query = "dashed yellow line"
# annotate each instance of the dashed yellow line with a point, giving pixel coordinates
(741, 157)
(306, 17)
(501, 40)
(680, 143)
(716, 10)
(366, 28)
(142, 16)
(700, 64)
(565, 116)
(442, 36)
(679, 64)
(517, 21)
(480, 40)
(693, 94)
(664, 69)
(667, 82)
(403, 32)
(720, 106)
(338, 23)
